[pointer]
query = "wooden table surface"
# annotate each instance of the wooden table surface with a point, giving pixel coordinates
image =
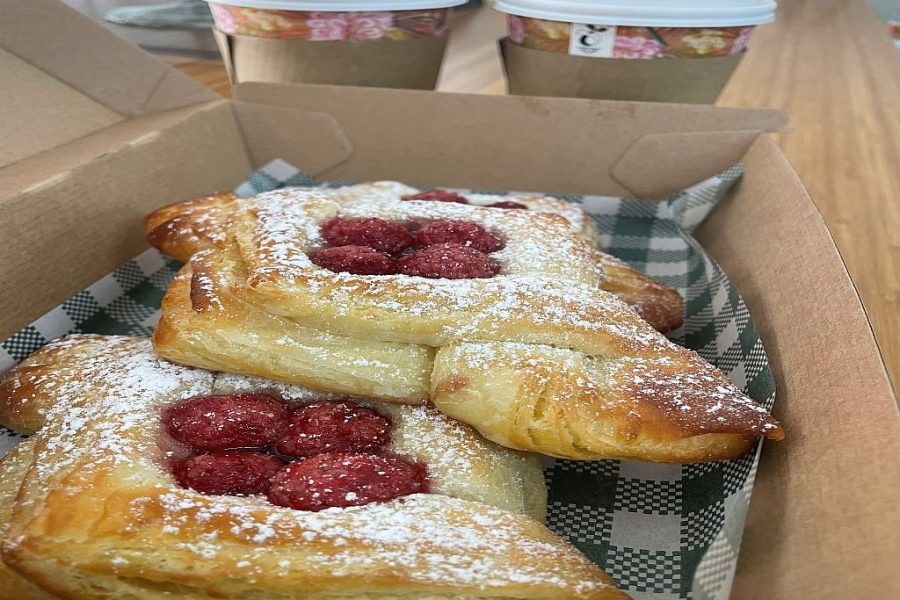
(832, 67)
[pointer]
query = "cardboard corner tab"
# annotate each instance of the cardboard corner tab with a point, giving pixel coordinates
(411, 64)
(539, 73)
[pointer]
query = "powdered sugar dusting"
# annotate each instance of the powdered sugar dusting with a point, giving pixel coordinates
(430, 538)
(460, 462)
(227, 383)
(392, 192)
(698, 399)
(548, 276)
(547, 294)
(195, 222)
(122, 380)
(284, 227)
(112, 410)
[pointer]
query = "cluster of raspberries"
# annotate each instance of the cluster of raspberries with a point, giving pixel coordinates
(321, 455)
(445, 249)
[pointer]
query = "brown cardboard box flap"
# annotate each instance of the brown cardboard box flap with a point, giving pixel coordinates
(677, 160)
(488, 139)
(38, 111)
(823, 509)
(824, 519)
(413, 64)
(102, 82)
(315, 140)
(71, 215)
(105, 67)
(539, 73)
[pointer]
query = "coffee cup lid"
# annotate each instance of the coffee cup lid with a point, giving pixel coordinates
(342, 5)
(650, 13)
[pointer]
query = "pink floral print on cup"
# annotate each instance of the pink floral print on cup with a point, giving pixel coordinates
(635, 47)
(634, 42)
(328, 26)
(370, 26)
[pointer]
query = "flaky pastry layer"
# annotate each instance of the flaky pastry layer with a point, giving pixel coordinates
(94, 515)
(634, 394)
(184, 228)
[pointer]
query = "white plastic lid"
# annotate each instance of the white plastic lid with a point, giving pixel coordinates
(342, 5)
(650, 13)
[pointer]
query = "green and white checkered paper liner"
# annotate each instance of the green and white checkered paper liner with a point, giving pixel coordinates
(661, 531)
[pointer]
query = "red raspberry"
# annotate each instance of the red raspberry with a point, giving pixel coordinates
(358, 260)
(449, 261)
(377, 234)
(508, 204)
(234, 472)
(438, 195)
(222, 422)
(334, 427)
(464, 233)
(327, 480)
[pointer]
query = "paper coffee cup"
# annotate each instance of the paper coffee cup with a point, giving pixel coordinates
(613, 34)
(386, 43)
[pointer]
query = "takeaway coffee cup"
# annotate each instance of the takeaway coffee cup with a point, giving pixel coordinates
(635, 50)
(386, 43)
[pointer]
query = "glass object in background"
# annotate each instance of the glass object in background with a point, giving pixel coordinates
(187, 14)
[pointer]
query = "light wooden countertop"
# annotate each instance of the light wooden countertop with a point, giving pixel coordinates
(832, 67)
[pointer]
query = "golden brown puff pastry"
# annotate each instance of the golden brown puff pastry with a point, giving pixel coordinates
(183, 228)
(13, 468)
(186, 227)
(572, 371)
(96, 514)
(657, 303)
(207, 322)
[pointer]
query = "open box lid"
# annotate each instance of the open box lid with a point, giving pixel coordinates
(63, 77)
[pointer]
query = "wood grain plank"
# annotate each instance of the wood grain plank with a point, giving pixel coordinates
(832, 66)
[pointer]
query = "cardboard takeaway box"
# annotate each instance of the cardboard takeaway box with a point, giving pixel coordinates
(94, 134)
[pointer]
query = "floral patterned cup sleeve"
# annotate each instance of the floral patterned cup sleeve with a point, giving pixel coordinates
(627, 41)
(319, 25)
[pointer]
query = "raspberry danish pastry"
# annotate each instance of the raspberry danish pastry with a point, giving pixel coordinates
(151, 480)
(184, 228)
(494, 314)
